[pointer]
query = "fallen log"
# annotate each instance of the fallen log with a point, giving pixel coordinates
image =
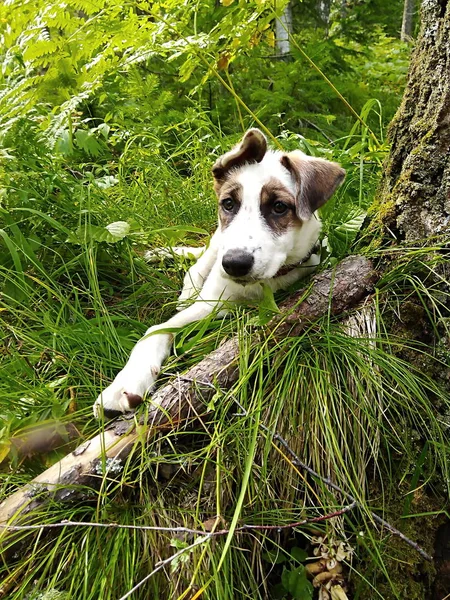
(333, 291)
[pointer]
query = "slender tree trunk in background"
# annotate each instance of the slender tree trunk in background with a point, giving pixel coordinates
(323, 9)
(413, 210)
(283, 29)
(407, 22)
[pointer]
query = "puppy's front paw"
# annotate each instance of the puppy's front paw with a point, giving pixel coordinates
(125, 393)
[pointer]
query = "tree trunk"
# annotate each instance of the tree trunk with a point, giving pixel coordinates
(407, 21)
(283, 29)
(414, 199)
(413, 205)
(324, 8)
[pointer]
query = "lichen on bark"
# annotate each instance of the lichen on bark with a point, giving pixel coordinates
(413, 203)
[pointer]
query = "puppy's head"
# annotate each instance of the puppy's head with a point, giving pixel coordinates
(267, 202)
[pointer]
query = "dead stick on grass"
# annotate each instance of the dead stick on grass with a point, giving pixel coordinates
(332, 291)
(298, 463)
(205, 535)
(89, 466)
(245, 528)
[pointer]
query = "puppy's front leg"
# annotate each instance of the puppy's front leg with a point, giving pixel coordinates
(127, 390)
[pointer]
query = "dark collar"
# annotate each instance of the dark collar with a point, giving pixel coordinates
(285, 269)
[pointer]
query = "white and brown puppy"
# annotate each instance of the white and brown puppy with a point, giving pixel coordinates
(268, 228)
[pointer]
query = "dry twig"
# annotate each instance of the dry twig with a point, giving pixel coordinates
(245, 528)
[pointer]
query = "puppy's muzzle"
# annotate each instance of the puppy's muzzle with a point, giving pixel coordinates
(237, 263)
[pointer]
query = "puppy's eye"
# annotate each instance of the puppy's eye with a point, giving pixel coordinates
(228, 204)
(279, 208)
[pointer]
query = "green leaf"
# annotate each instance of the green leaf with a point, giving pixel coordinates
(299, 554)
(275, 557)
(267, 307)
(104, 130)
(64, 143)
(112, 233)
(297, 584)
(212, 403)
(278, 592)
(342, 236)
(353, 225)
(285, 579)
(119, 229)
(87, 142)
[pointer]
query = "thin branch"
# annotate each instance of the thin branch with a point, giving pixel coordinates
(242, 529)
(205, 535)
(317, 128)
(295, 460)
(331, 292)
(246, 527)
(298, 463)
(326, 517)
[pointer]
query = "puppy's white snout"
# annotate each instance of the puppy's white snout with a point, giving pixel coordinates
(237, 262)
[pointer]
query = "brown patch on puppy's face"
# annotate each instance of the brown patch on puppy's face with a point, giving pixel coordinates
(230, 201)
(278, 207)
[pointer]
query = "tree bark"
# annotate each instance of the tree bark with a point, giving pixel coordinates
(334, 291)
(324, 8)
(414, 199)
(413, 205)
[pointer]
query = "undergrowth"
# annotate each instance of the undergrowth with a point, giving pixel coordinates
(111, 118)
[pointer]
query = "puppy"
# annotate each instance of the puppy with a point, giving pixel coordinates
(267, 234)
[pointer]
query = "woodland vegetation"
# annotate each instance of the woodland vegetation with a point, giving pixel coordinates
(316, 464)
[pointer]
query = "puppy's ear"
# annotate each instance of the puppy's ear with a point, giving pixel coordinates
(251, 148)
(316, 180)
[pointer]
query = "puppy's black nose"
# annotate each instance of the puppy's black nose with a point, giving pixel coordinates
(237, 263)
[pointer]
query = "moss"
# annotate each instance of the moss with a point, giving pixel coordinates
(410, 576)
(382, 208)
(412, 204)
(411, 322)
(381, 214)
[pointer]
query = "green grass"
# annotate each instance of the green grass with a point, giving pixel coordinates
(347, 405)
(345, 395)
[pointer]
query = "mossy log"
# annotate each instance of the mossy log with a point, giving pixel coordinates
(181, 400)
